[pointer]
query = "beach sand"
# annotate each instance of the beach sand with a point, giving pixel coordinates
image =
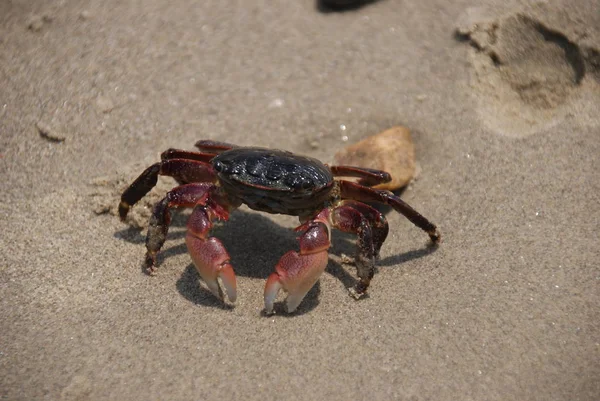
(502, 100)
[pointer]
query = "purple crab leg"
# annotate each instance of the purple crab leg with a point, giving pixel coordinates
(368, 176)
(348, 218)
(186, 154)
(215, 147)
(375, 218)
(208, 253)
(183, 170)
(350, 190)
(183, 196)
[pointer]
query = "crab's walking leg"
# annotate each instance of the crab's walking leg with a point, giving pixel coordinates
(209, 146)
(350, 190)
(186, 154)
(368, 176)
(183, 170)
(358, 218)
(297, 272)
(376, 220)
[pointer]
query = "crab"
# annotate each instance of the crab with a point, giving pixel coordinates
(220, 177)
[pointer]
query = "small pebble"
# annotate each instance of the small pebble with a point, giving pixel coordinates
(48, 133)
(276, 103)
(85, 15)
(35, 23)
(391, 150)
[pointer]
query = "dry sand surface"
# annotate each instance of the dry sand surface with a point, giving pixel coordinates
(502, 98)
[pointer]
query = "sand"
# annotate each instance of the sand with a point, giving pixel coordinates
(502, 101)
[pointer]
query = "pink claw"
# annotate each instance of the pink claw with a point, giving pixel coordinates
(296, 274)
(212, 262)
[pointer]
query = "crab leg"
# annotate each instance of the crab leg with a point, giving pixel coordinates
(297, 272)
(186, 154)
(183, 170)
(349, 218)
(350, 190)
(216, 147)
(368, 176)
(208, 253)
(375, 218)
(183, 196)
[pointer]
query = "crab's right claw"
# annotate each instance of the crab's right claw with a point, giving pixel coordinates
(296, 274)
(212, 262)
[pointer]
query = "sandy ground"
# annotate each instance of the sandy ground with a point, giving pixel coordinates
(502, 98)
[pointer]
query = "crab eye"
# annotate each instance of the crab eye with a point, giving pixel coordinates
(219, 166)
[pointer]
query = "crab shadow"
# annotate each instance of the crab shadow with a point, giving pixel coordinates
(255, 244)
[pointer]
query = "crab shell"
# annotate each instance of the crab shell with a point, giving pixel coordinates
(274, 181)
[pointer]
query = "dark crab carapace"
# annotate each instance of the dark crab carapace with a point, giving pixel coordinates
(221, 177)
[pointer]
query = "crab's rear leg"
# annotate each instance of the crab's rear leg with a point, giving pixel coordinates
(297, 272)
(350, 190)
(368, 176)
(215, 147)
(183, 170)
(172, 153)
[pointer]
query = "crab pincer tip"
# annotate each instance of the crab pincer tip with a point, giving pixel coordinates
(227, 276)
(271, 291)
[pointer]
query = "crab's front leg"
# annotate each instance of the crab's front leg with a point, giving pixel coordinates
(208, 253)
(194, 169)
(297, 272)
(183, 196)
